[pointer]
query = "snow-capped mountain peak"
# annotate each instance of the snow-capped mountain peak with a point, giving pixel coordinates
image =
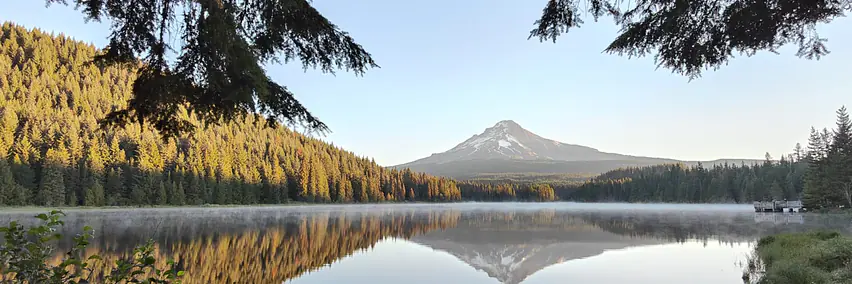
(498, 140)
(507, 140)
(506, 147)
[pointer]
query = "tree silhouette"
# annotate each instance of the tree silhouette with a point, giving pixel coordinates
(688, 36)
(223, 44)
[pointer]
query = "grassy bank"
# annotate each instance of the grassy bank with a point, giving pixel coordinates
(813, 257)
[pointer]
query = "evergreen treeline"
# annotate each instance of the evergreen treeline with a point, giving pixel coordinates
(484, 191)
(821, 176)
(52, 152)
(828, 183)
(679, 183)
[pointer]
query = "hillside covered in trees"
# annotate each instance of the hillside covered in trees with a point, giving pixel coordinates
(53, 151)
(821, 176)
(54, 154)
(697, 184)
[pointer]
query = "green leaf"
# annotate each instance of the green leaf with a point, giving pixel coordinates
(95, 257)
(181, 273)
(42, 216)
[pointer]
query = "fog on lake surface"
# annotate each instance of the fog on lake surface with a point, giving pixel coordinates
(474, 243)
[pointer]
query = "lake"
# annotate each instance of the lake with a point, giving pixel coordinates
(472, 243)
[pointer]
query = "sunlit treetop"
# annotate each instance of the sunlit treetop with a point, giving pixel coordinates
(207, 56)
(688, 36)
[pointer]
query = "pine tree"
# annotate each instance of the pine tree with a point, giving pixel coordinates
(362, 191)
(114, 188)
(10, 192)
(94, 195)
(842, 135)
(798, 153)
(304, 179)
(221, 193)
(160, 194)
(814, 191)
(52, 186)
(839, 161)
(180, 195)
(319, 182)
(23, 173)
(776, 191)
(138, 195)
(193, 190)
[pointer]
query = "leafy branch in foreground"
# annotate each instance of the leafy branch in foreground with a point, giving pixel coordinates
(688, 36)
(25, 253)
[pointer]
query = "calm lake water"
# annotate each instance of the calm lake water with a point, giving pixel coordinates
(472, 243)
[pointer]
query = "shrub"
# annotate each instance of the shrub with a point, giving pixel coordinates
(24, 254)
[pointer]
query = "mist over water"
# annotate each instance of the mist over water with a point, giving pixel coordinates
(504, 243)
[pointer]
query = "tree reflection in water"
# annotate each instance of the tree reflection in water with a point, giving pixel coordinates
(271, 245)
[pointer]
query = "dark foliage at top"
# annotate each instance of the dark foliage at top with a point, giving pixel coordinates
(222, 45)
(688, 36)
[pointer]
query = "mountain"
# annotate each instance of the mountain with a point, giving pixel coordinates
(511, 252)
(507, 147)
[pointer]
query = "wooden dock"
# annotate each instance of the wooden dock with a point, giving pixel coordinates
(779, 219)
(778, 206)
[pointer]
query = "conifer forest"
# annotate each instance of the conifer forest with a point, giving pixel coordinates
(53, 152)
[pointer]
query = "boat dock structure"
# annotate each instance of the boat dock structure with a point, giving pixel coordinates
(778, 206)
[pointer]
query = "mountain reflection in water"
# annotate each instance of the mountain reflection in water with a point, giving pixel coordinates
(511, 243)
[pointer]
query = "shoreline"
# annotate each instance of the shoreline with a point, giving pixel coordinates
(583, 205)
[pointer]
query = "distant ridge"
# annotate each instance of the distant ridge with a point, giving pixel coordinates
(507, 147)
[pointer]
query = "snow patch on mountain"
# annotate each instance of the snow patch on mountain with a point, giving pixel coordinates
(504, 143)
(502, 263)
(513, 140)
(508, 141)
(496, 140)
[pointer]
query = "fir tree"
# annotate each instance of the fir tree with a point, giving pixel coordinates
(51, 190)
(9, 189)
(160, 196)
(94, 195)
(180, 195)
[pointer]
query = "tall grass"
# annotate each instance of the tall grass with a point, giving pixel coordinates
(806, 258)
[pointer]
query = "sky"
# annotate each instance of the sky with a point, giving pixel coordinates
(450, 69)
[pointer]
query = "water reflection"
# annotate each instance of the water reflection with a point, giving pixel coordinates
(509, 244)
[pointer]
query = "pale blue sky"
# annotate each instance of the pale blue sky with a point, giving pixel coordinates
(452, 68)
